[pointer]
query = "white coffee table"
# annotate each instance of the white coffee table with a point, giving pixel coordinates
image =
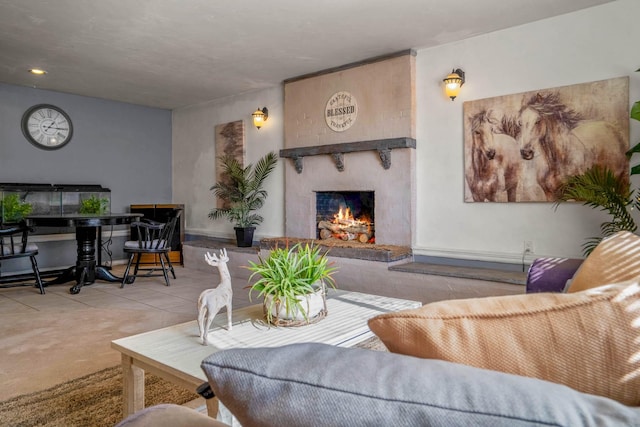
(175, 353)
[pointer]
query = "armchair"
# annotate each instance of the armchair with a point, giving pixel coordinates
(152, 238)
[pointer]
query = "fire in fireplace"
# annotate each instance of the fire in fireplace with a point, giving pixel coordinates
(346, 215)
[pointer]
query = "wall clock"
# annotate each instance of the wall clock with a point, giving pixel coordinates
(341, 111)
(47, 126)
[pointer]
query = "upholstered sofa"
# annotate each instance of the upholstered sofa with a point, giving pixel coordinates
(545, 359)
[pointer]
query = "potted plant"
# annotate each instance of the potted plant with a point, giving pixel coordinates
(243, 193)
(293, 284)
(13, 209)
(600, 188)
(94, 205)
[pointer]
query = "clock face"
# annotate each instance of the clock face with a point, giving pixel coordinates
(47, 126)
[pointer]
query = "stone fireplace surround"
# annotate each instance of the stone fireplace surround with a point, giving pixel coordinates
(376, 153)
(386, 167)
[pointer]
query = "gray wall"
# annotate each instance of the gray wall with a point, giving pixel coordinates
(124, 147)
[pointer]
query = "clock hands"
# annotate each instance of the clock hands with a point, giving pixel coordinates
(51, 126)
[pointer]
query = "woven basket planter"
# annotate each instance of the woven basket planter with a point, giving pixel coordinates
(313, 307)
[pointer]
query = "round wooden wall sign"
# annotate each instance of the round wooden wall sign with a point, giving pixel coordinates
(341, 111)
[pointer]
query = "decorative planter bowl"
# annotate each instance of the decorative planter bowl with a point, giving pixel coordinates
(312, 308)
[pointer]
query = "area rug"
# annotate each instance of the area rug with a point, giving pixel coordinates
(92, 400)
(96, 399)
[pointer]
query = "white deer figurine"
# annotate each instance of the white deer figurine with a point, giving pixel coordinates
(211, 301)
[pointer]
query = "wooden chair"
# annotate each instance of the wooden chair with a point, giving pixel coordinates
(152, 238)
(14, 245)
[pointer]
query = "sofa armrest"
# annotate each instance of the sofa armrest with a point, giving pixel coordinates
(551, 274)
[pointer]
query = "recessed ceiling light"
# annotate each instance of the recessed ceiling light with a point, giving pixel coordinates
(37, 71)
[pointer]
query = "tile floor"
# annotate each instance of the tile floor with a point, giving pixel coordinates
(51, 338)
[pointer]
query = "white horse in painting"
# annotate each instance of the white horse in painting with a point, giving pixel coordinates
(212, 300)
(495, 161)
(564, 144)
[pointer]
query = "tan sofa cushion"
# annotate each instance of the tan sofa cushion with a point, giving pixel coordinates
(614, 260)
(584, 340)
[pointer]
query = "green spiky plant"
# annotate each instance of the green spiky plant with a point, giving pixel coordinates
(288, 273)
(242, 190)
(600, 188)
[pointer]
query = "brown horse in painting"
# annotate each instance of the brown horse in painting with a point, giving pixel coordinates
(495, 162)
(564, 144)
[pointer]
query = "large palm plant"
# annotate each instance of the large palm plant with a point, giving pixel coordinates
(242, 190)
(600, 188)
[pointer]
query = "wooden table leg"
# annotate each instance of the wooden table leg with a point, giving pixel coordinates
(133, 387)
(212, 407)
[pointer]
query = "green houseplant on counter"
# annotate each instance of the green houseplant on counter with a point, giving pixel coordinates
(293, 284)
(13, 209)
(243, 194)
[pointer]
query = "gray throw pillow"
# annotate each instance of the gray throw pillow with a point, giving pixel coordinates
(322, 385)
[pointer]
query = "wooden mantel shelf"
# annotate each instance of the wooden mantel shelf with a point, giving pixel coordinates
(337, 151)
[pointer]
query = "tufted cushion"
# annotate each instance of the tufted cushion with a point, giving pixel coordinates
(321, 385)
(614, 260)
(586, 340)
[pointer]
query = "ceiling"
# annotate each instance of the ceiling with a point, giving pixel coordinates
(173, 53)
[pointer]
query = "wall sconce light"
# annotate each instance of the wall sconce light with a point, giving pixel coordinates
(37, 71)
(259, 117)
(453, 82)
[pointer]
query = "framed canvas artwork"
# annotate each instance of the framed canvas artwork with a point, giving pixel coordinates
(229, 141)
(523, 147)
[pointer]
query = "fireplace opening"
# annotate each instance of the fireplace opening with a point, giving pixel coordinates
(345, 215)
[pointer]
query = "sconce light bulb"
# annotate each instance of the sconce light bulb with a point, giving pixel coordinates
(259, 117)
(453, 82)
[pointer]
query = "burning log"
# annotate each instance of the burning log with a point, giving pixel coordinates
(364, 237)
(325, 234)
(348, 236)
(346, 228)
(357, 229)
(329, 226)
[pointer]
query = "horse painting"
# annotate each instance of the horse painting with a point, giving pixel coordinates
(495, 160)
(563, 144)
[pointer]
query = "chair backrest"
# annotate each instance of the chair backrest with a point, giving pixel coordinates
(170, 226)
(156, 236)
(13, 240)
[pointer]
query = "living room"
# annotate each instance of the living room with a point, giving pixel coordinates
(114, 141)
(588, 45)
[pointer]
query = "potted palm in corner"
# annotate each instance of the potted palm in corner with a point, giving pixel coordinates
(293, 284)
(243, 193)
